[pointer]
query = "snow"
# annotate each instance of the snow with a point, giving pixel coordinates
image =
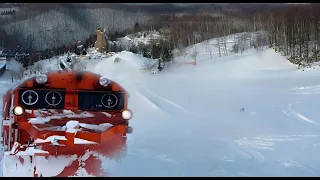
(55, 164)
(81, 172)
(72, 126)
(40, 119)
(100, 127)
(54, 138)
(138, 38)
(11, 164)
(2, 63)
(189, 121)
(84, 114)
(30, 151)
(83, 141)
(107, 114)
(50, 139)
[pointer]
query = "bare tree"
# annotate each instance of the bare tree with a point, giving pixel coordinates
(194, 54)
(217, 44)
(224, 45)
(208, 48)
(38, 67)
(12, 75)
(21, 72)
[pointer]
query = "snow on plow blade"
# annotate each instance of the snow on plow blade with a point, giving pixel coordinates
(63, 124)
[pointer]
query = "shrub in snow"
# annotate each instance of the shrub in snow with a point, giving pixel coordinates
(155, 51)
(235, 48)
(259, 40)
(134, 49)
(117, 59)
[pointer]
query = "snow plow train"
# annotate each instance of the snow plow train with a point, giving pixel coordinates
(63, 124)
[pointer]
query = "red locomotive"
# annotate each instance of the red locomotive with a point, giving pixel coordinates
(67, 117)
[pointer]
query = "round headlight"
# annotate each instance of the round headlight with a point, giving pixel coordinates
(103, 81)
(18, 110)
(41, 79)
(127, 114)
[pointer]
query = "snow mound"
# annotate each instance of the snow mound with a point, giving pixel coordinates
(270, 60)
(144, 38)
(216, 137)
(131, 65)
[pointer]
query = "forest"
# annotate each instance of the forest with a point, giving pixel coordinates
(292, 31)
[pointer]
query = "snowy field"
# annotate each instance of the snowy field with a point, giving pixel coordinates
(253, 114)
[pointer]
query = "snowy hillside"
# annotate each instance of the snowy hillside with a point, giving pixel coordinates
(133, 62)
(42, 32)
(253, 114)
(144, 38)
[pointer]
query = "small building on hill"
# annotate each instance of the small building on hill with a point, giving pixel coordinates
(101, 43)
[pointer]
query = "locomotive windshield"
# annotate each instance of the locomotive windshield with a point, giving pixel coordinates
(100, 101)
(55, 99)
(39, 99)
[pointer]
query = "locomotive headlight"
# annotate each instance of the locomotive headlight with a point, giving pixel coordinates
(103, 81)
(127, 114)
(18, 110)
(41, 79)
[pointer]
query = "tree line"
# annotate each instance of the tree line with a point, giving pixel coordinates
(34, 56)
(35, 29)
(178, 31)
(293, 31)
(189, 29)
(8, 12)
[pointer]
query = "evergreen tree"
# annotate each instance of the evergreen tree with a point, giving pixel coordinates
(155, 50)
(134, 49)
(136, 27)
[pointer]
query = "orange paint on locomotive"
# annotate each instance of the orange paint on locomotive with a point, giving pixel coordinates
(77, 92)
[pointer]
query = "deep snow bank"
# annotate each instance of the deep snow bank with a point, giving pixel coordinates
(253, 114)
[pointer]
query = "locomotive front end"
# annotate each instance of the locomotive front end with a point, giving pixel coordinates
(79, 117)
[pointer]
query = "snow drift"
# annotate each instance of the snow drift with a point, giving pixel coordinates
(239, 115)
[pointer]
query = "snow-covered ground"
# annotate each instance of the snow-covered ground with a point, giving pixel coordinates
(138, 38)
(253, 114)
